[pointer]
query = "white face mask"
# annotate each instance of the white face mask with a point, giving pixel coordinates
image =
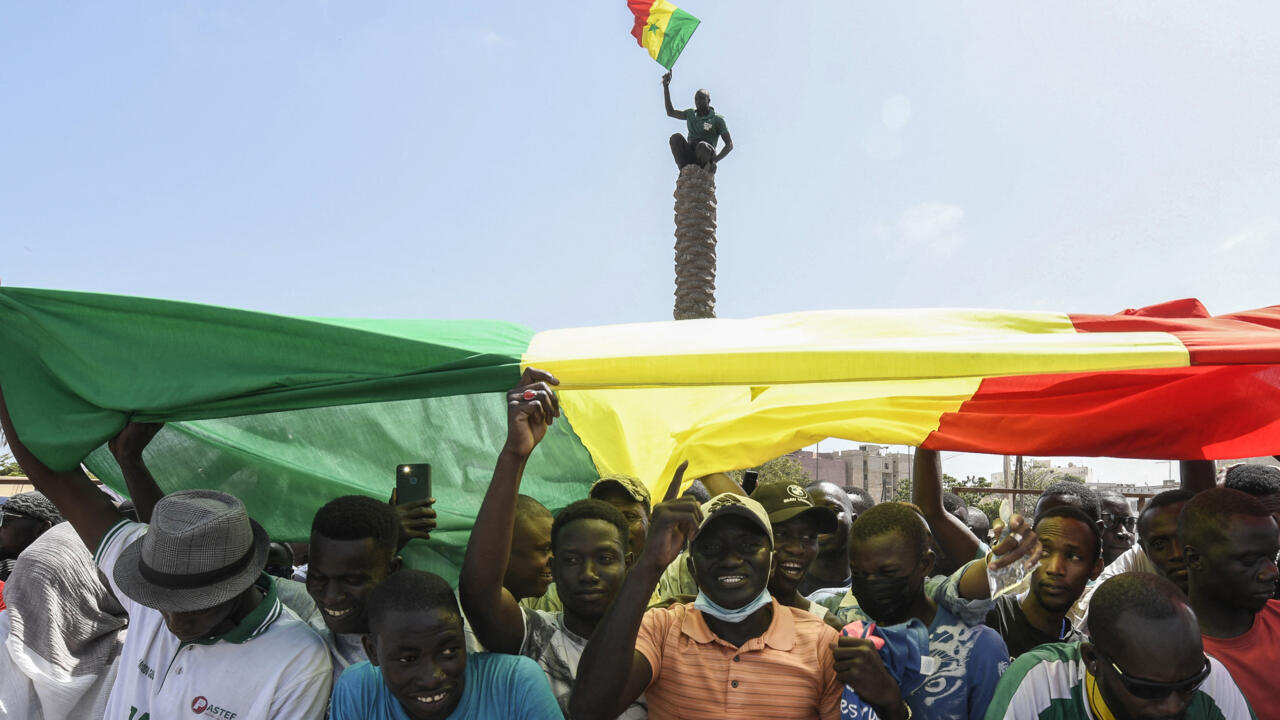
(709, 606)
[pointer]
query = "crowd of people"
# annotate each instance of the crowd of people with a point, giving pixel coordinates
(791, 601)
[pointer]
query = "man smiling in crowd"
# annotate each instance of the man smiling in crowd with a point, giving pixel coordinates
(419, 668)
(777, 659)
(797, 524)
(353, 548)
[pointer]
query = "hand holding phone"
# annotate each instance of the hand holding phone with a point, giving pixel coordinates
(412, 500)
(413, 483)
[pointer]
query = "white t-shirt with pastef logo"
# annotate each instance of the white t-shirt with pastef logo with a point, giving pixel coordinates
(269, 666)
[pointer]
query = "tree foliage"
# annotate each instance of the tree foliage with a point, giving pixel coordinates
(990, 505)
(1038, 475)
(781, 469)
(9, 466)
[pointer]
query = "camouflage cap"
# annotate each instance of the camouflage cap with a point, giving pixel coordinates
(734, 504)
(630, 485)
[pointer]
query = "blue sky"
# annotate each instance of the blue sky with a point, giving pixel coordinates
(494, 160)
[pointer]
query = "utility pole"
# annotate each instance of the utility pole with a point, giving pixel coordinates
(1018, 477)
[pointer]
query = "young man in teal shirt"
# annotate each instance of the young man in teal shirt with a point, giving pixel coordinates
(419, 669)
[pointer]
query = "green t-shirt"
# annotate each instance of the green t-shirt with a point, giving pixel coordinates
(705, 128)
(1048, 683)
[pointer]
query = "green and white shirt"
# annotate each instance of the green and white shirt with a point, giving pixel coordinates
(1048, 683)
(271, 665)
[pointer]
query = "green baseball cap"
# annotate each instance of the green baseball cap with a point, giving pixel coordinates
(786, 500)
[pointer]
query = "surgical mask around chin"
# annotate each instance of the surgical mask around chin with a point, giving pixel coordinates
(887, 599)
(708, 606)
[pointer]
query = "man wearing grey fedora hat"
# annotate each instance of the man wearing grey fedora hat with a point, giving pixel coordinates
(208, 634)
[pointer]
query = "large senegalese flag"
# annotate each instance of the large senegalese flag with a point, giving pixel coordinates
(288, 412)
(662, 29)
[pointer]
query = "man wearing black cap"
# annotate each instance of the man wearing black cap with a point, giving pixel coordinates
(208, 635)
(796, 523)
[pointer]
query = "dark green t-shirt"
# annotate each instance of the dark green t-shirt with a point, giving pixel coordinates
(705, 128)
(1018, 632)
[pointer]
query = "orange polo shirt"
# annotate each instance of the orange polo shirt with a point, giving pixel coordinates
(786, 673)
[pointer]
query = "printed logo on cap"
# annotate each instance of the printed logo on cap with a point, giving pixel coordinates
(722, 500)
(796, 491)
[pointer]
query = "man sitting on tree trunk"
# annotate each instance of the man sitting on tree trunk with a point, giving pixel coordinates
(705, 130)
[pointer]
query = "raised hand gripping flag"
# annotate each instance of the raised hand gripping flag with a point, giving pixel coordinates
(662, 29)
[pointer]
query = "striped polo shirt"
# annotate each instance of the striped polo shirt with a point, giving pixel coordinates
(1048, 683)
(269, 666)
(788, 672)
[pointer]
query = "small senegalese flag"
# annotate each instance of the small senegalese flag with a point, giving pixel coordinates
(662, 29)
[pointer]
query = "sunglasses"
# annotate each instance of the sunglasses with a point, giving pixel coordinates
(1111, 520)
(6, 515)
(1153, 690)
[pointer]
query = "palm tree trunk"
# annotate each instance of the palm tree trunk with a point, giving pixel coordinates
(695, 244)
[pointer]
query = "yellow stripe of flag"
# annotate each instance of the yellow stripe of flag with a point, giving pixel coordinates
(656, 28)
(729, 394)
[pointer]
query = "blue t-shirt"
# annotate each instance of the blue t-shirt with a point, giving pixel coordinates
(506, 686)
(971, 659)
(969, 662)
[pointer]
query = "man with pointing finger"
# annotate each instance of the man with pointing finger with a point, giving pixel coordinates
(735, 652)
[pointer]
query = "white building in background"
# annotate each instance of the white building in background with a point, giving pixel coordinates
(1082, 472)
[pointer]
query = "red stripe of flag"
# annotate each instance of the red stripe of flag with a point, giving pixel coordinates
(1192, 413)
(641, 10)
(1248, 337)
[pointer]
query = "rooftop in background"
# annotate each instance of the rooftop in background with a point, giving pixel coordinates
(11, 485)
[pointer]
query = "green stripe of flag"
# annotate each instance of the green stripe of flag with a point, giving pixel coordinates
(679, 29)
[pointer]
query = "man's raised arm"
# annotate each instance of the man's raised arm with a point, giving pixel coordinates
(955, 539)
(611, 673)
(491, 609)
(666, 96)
(127, 449)
(87, 508)
(1197, 475)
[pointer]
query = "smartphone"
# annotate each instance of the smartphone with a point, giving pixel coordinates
(413, 483)
(749, 480)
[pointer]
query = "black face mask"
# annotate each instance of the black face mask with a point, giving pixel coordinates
(887, 599)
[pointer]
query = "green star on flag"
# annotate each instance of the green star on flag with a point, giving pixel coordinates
(662, 29)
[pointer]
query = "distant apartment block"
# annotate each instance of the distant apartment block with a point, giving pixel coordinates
(868, 467)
